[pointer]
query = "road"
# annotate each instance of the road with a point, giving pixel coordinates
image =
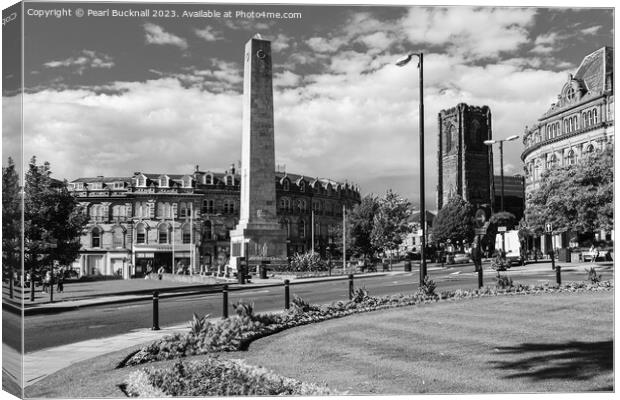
(50, 330)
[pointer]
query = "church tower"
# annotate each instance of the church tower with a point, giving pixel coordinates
(465, 163)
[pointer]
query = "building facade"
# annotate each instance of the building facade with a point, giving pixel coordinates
(514, 194)
(464, 162)
(580, 122)
(140, 223)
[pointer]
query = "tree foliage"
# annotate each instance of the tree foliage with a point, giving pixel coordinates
(362, 222)
(454, 222)
(11, 216)
(575, 197)
(391, 222)
(53, 220)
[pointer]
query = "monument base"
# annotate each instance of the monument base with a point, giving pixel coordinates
(258, 242)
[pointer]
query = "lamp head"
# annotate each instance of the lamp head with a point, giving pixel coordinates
(513, 137)
(489, 142)
(401, 62)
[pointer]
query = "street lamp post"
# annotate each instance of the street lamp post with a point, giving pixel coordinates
(402, 62)
(501, 162)
(501, 167)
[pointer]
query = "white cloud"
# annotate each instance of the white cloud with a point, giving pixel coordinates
(281, 42)
(155, 34)
(286, 78)
(468, 31)
(208, 34)
(323, 45)
(86, 59)
(158, 125)
(592, 30)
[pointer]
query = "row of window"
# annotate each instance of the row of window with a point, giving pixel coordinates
(300, 206)
(228, 206)
(569, 124)
(100, 212)
(534, 169)
(164, 235)
(319, 230)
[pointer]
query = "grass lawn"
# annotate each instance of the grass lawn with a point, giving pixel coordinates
(535, 343)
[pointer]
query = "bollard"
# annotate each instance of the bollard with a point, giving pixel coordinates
(31, 289)
(287, 294)
(350, 286)
(552, 259)
(225, 301)
(480, 277)
(558, 275)
(155, 311)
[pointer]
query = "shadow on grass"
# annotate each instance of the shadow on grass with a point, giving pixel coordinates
(571, 360)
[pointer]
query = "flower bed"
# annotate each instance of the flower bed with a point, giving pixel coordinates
(235, 333)
(215, 377)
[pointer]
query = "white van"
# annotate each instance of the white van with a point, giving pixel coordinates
(512, 246)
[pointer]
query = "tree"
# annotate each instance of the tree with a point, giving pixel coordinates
(53, 220)
(454, 222)
(11, 217)
(391, 222)
(576, 198)
(362, 222)
(334, 233)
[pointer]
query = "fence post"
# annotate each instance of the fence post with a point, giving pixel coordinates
(225, 301)
(11, 283)
(350, 286)
(287, 294)
(558, 275)
(155, 310)
(552, 254)
(480, 283)
(32, 289)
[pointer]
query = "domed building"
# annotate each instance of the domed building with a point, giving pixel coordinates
(580, 122)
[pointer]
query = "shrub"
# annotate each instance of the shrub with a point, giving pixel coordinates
(244, 309)
(359, 295)
(300, 306)
(428, 287)
(504, 282)
(499, 262)
(307, 262)
(593, 276)
(215, 377)
(197, 324)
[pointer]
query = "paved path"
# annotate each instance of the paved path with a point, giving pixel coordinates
(40, 364)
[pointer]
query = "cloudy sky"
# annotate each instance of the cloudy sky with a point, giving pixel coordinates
(111, 95)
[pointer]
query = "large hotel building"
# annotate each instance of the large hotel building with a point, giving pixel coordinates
(580, 122)
(146, 221)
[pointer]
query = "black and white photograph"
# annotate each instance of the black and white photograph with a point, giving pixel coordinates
(209, 199)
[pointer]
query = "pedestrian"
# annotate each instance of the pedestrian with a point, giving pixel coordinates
(160, 272)
(476, 254)
(60, 280)
(47, 280)
(28, 280)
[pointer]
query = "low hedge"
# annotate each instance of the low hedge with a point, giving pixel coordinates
(216, 377)
(235, 333)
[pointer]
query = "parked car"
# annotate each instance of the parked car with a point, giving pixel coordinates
(460, 258)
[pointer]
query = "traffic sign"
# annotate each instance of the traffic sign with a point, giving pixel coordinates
(501, 229)
(548, 227)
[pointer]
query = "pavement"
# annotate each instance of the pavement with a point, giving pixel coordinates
(42, 363)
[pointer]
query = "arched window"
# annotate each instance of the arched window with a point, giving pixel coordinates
(302, 229)
(187, 234)
(286, 185)
(285, 204)
(208, 206)
(118, 237)
(162, 234)
(301, 206)
(595, 116)
(551, 161)
(589, 148)
(565, 126)
(141, 233)
(141, 181)
(590, 119)
(285, 225)
(183, 210)
(576, 122)
(229, 207)
(208, 179)
(570, 157)
(95, 237)
(229, 180)
(302, 186)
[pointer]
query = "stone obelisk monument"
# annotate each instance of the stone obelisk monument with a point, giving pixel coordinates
(258, 232)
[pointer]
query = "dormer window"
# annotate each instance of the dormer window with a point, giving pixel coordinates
(187, 181)
(164, 181)
(229, 180)
(302, 186)
(118, 185)
(208, 179)
(96, 186)
(79, 186)
(141, 181)
(286, 185)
